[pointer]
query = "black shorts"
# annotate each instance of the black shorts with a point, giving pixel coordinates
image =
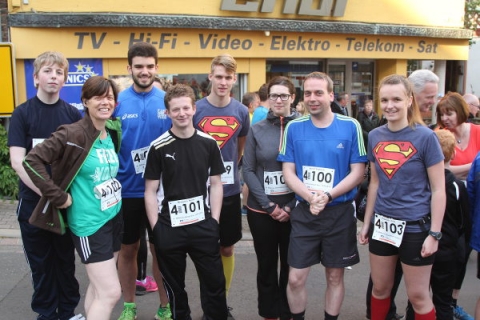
(101, 245)
(230, 221)
(409, 251)
(135, 220)
(329, 238)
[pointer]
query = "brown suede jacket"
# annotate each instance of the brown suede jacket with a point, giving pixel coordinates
(65, 152)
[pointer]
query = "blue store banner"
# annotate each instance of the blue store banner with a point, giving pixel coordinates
(79, 71)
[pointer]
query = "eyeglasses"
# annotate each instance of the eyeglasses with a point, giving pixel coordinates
(471, 104)
(283, 96)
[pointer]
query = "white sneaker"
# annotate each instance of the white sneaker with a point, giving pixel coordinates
(78, 317)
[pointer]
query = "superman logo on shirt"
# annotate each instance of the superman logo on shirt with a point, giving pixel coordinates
(392, 155)
(222, 129)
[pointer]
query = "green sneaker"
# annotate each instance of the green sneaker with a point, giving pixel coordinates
(164, 313)
(129, 312)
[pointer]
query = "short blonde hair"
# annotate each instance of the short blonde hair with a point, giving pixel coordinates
(225, 60)
(49, 58)
(447, 142)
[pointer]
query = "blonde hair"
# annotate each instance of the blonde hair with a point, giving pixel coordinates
(225, 60)
(50, 58)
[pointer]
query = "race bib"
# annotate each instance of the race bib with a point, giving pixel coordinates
(274, 183)
(36, 141)
(109, 193)
(228, 177)
(388, 230)
(318, 179)
(186, 211)
(139, 158)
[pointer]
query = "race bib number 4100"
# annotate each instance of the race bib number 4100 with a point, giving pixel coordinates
(317, 178)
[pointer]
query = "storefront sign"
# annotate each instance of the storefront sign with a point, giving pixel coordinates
(184, 43)
(305, 7)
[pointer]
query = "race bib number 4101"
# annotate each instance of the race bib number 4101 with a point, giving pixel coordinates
(186, 211)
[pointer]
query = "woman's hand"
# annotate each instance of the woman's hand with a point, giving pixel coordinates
(67, 203)
(363, 234)
(429, 247)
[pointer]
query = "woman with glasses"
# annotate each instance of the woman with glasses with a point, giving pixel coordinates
(270, 200)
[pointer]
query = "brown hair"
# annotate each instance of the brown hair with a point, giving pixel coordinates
(321, 76)
(452, 101)
(178, 91)
(413, 113)
(447, 142)
(98, 86)
(282, 81)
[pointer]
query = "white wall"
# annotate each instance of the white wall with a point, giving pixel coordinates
(473, 69)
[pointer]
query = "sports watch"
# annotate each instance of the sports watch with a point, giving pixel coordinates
(436, 235)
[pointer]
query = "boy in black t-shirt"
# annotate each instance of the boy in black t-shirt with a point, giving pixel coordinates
(183, 210)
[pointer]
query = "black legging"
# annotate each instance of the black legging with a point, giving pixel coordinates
(142, 257)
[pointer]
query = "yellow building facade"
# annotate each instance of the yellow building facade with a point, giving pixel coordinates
(357, 42)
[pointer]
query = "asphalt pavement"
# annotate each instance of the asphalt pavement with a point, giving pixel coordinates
(16, 287)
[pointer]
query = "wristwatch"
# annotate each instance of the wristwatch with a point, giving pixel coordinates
(435, 235)
(330, 199)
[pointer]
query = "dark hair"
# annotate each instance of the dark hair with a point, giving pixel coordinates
(341, 96)
(98, 86)
(142, 49)
(248, 98)
(178, 91)
(263, 92)
(453, 101)
(282, 81)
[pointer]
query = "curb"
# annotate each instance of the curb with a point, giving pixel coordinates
(10, 233)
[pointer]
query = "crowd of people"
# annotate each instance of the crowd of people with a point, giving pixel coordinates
(155, 164)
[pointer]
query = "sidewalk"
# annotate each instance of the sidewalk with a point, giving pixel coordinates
(9, 230)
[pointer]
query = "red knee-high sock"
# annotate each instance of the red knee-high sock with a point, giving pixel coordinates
(380, 308)
(427, 316)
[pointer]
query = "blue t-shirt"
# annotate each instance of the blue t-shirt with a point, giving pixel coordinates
(144, 119)
(259, 114)
(333, 149)
(32, 122)
(225, 125)
(401, 161)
